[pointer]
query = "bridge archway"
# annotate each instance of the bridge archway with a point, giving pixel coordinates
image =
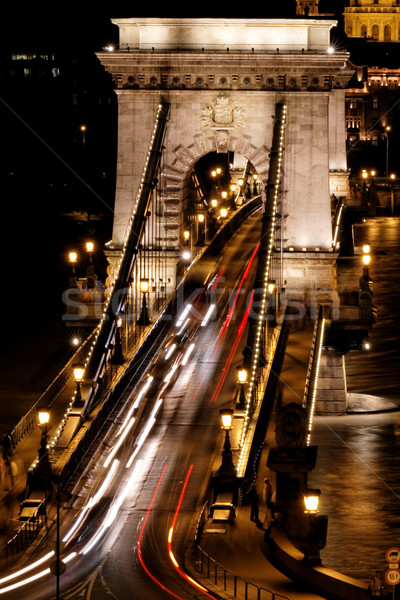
(223, 81)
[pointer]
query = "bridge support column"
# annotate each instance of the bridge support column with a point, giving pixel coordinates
(332, 388)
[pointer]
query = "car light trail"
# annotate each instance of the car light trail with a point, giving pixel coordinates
(142, 438)
(187, 354)
(113, 511)
(229, 315)
(135, 405)
(170, 536)
(183, 316)
(28, 568)
(93, 500)
(35, 577)
(232, 351)
(208, 315)
(121, 440)
(170, 352)
(170, 373)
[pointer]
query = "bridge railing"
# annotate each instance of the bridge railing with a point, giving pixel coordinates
(24, 536)
(310, 390)
(29, 421)
(221, 577)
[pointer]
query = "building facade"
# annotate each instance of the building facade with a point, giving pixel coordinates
(376, 19)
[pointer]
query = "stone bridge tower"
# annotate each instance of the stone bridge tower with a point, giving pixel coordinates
(223, 80)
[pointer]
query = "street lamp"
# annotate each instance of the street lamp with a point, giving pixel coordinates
(311, 501)
(201, 229)
(89, 249)
(388, 128)
(83, 129)
(144, 318)
(118, 356)
(223, 212)
(255, 184)
(79, 371)
(44, 419)
(241, 380)
(227, 468)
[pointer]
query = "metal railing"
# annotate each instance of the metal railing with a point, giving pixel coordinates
(221, 577)
(24, 536)
(29, 421)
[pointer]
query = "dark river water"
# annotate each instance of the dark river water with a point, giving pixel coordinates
(358, 464)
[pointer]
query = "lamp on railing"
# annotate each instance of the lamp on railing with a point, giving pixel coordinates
(43, 420)
(241, 380)
(90, 249)
(79, 371)
(201, 229)
(227, 468)
(118, 356)
(72, 257)
(255, 184)
(144, 318)
(311, 501)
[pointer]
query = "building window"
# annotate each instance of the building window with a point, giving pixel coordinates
(363, 31)
(375, 32)
(387, 33)
(375, 103)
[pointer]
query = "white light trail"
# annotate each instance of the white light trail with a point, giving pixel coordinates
(187, 354)
(135, 405)
(208, 315)
(35, 577)
(93, 500)
(119, 443)
(170, 351)
(170, 373)
(26, 569)
(148, 427)
(183, 316)
(183, 326)
(113, 511)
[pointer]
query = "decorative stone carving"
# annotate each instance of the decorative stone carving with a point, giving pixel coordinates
(291, 426)
(222, 114)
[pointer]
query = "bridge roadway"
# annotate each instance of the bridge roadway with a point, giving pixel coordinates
(133, 559)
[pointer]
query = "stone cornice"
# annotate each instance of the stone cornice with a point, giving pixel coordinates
(230, 70)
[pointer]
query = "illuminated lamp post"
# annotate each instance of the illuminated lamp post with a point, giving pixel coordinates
(311, 501)
(89, 249)
(255, 184)
(118, 356)
(72, 257)
(223, 213)
(241, 380)
(227, 468)
(366, 308)
(43, 419)
(43, 470)
(144, 318)
(316, 534)
(201, 229)
(78, 371)
(272, 301)
(392, 203)
(83, 129)
(388, 129)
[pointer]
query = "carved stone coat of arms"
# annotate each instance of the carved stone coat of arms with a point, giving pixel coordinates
(221, 118)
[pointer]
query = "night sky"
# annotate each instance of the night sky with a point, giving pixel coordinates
(73, 25)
